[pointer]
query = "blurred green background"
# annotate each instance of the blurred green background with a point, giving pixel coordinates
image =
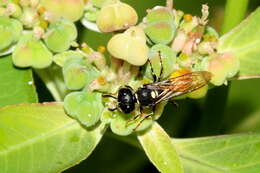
(242, 113)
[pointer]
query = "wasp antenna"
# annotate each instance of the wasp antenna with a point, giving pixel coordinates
(127, 86)
(161, 64)
(108, 95)
(152, 72)
(112, 109)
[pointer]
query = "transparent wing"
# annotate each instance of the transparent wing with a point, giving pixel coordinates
(180, 85)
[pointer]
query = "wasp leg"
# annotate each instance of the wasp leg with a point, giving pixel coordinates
(161, 64)
(144, 118)
(174, 103)
(132, 119)
(152, 72)
(135, 117)
(109, 95)
(113, 97)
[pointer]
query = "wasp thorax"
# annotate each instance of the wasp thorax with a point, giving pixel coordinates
(146, 96)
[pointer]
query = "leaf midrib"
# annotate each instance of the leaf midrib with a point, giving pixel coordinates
(36, 138)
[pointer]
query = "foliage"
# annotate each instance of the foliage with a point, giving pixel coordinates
(47, 39)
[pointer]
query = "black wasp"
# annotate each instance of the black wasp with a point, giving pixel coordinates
(149, 95)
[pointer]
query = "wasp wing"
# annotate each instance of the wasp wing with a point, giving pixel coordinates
(180, 85)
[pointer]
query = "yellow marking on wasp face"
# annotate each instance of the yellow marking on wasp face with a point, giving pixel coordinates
(154, 94)
(136, 96)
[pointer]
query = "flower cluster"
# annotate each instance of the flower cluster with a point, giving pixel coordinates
(41, 32)
(33, 30)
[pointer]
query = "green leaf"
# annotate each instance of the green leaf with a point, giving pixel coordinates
(42, 138)
(220, 154)
(160, 149)
(244, 42)
(16, 85)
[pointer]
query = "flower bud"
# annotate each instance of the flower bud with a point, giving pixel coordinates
(129, 46)
(117, 16)
(69, 9)
(29, 17)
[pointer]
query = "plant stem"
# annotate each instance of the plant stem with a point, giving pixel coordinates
(235, 12)
(215, 104)
(53, 80)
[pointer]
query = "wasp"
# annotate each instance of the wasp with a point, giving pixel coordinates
(151, 94)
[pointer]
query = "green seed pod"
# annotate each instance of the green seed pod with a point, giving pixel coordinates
(86, 107)
(78, 73)
(91, 14)
(31, 52)
(117, 16)
(160, 32)
(212, 33)
(188, 25)
(214, 65)
(161, 14)
(231, 64)
(168, 57)
(60, 58)
(123, 125)
(106, 116)
(119, 124)
(75, 75)
(129, 46)
(10, 31)
(69, 9)
(60, 35)
(101, 3)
